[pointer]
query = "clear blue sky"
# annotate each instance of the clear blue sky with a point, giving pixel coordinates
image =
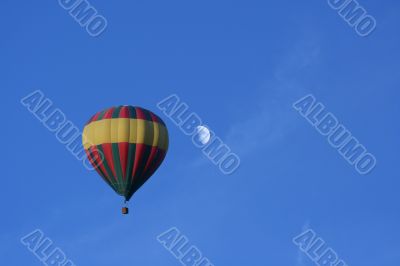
(238, 64)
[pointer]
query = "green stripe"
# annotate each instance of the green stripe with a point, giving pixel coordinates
(147, 114)
(91, 157)
(117, 167)
(114, 185)
(132, 112)
(131, 159)
(116, 157)
(116, 112)
(101, 115)
(139, 179)
(157, 160)
(129, 168)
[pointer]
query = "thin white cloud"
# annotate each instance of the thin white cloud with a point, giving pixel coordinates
(271, 118)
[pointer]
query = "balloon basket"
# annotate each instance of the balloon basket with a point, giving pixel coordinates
(125, 210)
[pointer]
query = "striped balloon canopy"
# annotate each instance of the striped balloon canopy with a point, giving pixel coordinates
(125, 145)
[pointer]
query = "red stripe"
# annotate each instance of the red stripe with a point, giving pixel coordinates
(157, 162)
(124, 112)
(108, 156)
(150, 160)
(98, 162)
(123, 156)
(160, 155)
(90, 158)
(140, 114)
(93, 162)
(155, 118)
(109, 113)
(153, 159)
(138, 160)
(93, 118)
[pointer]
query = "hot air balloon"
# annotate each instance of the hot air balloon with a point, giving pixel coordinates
(125, 145)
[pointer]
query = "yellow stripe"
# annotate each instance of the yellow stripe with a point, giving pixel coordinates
(125, 130)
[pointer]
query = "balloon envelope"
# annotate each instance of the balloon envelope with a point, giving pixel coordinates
(125, 145)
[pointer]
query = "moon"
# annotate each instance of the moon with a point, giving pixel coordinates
(204, 134)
